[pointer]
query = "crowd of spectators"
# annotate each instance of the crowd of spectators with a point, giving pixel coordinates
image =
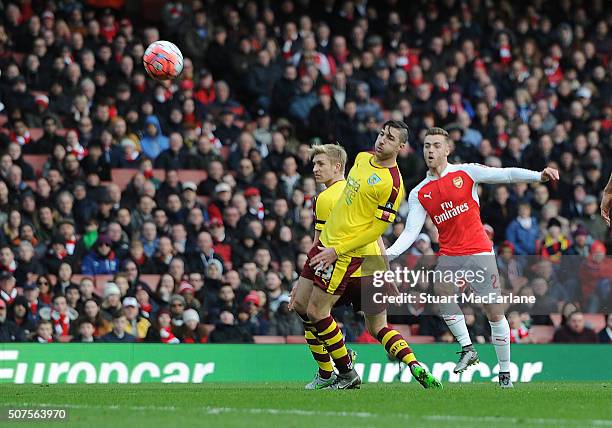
(515, 83)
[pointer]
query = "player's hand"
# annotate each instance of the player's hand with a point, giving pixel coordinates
(325, 258)
(549, 174)
(606, 204)
(292, 298)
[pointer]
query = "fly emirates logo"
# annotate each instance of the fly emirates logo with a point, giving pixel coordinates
(449, 210)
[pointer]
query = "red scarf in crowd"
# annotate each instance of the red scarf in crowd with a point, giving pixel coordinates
(205, 95)
(10, 268)
(61, 323)
(79, 151)
(33, 308)
(516, 334)
(167, 336)
(505, 54)
(22, 140)
(71, 245)
(8, 297)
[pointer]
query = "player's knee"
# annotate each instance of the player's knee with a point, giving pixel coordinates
(300, 308)
(314, 313)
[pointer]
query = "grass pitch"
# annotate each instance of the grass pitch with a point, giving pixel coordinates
(546, 404)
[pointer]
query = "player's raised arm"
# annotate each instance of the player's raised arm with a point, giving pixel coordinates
(485, 174)
(414, 224)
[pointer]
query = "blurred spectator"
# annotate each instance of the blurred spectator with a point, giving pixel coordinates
(523, 231)
(285, 322)
(101, 259)
(605, 335)
(574, 331)
(137, 326)
(596, 278)
(118, 333)
(192, 331)
(9, 331)
(519, 332)
(86, 333)
(227, 332)
(161, 330)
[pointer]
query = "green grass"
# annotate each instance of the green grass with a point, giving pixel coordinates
(546, 404)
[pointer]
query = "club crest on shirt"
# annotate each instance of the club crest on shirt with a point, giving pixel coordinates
(374, 179)
(458, 182)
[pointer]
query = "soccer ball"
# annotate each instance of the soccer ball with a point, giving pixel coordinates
(163, 60)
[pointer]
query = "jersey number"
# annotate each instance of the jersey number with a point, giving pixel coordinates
(325, 274)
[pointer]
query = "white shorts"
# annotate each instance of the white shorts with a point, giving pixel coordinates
(476, 271)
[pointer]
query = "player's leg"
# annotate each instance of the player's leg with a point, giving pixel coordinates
(329, 286)
(452, 315)
(395, 344)
(500, 338)
(328, 332)
(325, 375)
(500, 329)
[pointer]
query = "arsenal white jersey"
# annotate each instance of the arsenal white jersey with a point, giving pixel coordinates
(452, 203)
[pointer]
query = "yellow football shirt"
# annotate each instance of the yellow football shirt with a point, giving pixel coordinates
(370, 191)
(325, 201)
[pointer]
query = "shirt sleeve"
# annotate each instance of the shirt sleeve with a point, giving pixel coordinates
(485, 174)
(319, 218)
(390, 199)
(414, 224)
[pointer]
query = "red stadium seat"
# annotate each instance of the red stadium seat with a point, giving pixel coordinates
(422, 339)
(542, 333)
(404, 329)
(596, 322)
(122, 177)
(36, 133)
(36, 162)
(150, 280)
(76, 278)
(18, 57)
(269, 339)
(192, 175)
(556, 319)
(297, 340)
(100, 281)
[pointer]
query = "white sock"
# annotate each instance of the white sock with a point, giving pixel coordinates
(500, 338)
(456, 324)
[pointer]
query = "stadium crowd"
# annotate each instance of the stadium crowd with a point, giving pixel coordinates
(516, 84)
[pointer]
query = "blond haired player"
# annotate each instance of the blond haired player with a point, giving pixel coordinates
(368, 203)
(449, 195)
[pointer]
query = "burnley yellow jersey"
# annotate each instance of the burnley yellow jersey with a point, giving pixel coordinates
(370, 191)
(324, 202)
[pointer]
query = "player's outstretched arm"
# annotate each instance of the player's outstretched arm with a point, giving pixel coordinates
(414, 224)
(606, 202)
(485, 174)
